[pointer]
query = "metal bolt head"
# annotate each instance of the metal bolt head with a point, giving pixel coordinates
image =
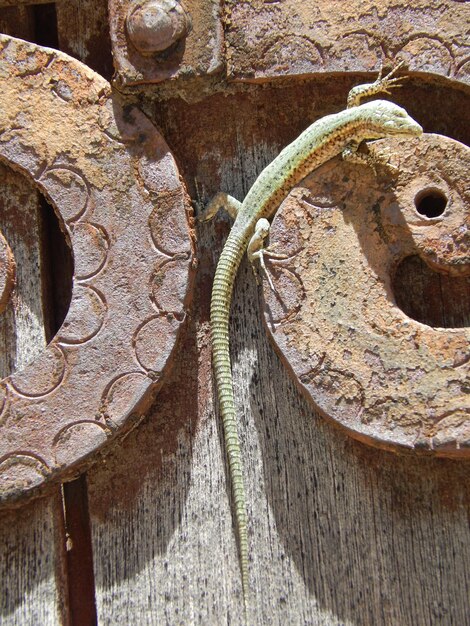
(154, 25)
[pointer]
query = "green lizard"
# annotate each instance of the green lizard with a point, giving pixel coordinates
(340, 133)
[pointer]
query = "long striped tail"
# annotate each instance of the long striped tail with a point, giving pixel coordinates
(220, 311)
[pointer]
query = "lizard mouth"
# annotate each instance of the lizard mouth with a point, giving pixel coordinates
(406, 129)
(414, 129)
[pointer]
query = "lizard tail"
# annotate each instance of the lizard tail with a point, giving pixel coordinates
(220, 311)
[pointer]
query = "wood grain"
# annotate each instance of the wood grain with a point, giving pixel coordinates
(339, 533)
(32, 571)
(17, 21)
(83, 33)
(22, 333)
(32, 538)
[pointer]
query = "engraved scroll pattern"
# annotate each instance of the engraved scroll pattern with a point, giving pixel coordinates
(61, 125)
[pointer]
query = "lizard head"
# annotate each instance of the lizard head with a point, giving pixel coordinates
(390, 120)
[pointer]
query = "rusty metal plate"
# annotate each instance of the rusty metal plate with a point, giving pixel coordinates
(114, 184)
(269, 39)
(153, 40)
(387, 378)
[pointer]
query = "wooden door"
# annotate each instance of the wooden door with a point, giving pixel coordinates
(340, 532)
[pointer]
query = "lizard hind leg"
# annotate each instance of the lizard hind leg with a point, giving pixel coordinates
(257, 251)
(221, 200)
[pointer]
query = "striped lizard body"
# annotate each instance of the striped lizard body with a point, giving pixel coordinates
(340, 133)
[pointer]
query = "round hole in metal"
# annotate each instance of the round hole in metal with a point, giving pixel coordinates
(431, 203)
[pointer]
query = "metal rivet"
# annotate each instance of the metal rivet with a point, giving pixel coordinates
(154, 25)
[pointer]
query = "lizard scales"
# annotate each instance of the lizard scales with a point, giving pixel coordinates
(339, 133)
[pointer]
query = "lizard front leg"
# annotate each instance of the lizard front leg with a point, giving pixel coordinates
(351, 154)
(221, 200)
(256, 249)
(381, 85)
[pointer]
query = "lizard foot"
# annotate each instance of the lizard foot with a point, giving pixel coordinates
(271, 253)
(259, 256)
(383, 157)
(382, 84)
(257, 252)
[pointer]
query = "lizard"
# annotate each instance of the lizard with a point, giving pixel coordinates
(336, 134)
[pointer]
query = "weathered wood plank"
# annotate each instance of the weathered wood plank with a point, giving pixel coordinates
(34, 22)
(339, 533)
(32, 571)
(83, 33)
(32, 539)
(22, 333)
(17, 21)
(77, 27)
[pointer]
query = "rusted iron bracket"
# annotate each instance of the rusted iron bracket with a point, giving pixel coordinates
(390, 380)
(115, 186)
(265, 40)
(154, 40)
